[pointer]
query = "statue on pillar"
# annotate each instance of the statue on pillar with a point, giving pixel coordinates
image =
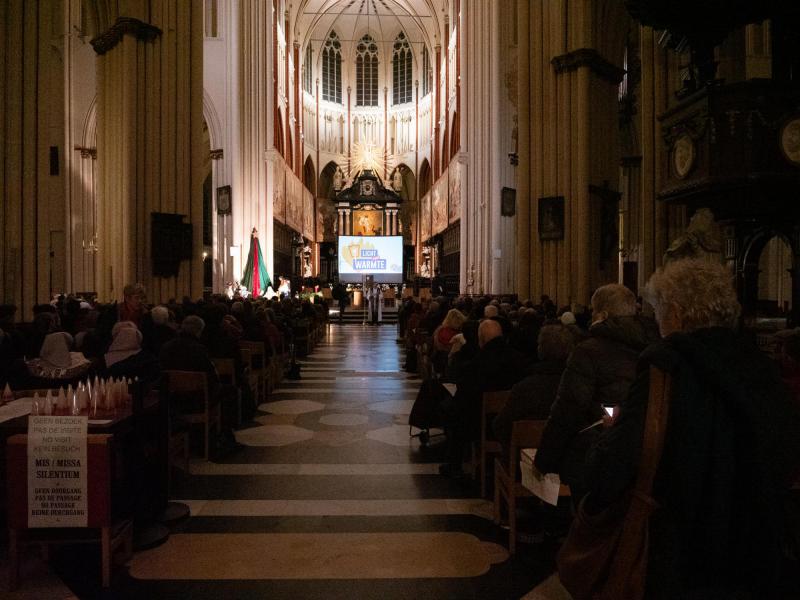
(701, 240)
(397, 180)
(337, 179)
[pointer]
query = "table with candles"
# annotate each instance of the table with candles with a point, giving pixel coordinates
(118, 407)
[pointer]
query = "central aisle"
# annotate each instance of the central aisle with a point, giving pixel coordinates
(330, 498)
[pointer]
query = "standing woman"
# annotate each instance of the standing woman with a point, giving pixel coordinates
(731, 447)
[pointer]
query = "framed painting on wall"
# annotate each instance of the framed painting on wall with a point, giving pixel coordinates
(456, 173)
(367, 222)
(279, 198)
(425, 218)
(508, 202)
(224, 200)
(551, 218)
(439, 205)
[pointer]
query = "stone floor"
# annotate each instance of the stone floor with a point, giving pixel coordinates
(330, 498)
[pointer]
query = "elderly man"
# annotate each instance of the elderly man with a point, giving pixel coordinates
(599, 372)
(722, 526)
(495, 367)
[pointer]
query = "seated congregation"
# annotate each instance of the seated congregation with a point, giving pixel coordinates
(242, 347)
(677, 420)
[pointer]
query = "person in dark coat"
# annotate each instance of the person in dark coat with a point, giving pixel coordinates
(495, 367)
(599, 372)
(532, 397)
(187, 353)
(220, 343)
(731, 448)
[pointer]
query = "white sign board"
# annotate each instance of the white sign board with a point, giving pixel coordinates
(57, 472)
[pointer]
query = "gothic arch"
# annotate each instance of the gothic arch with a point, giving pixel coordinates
(445, 155)
(289, 156)
(279, 134)
(89, 137)
(455, 137)
(425, 178)
(310, 175)
(212, 120)
(326, 180)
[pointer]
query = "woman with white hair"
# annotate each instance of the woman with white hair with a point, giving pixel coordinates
(730, 447)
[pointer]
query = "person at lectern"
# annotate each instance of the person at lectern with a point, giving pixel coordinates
(375, 297)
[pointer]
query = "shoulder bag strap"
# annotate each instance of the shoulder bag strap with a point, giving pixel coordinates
(628, 571)
(655, 427)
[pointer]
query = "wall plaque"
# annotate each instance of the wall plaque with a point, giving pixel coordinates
(57, 471)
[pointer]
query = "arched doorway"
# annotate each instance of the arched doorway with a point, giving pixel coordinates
(208, 214)
(328, 257)
(408, 217)
(768, 282)
(775, 280)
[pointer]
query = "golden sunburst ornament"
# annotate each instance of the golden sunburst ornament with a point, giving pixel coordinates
(369, 157)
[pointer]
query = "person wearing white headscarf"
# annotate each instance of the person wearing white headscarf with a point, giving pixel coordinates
(125, 357)
(56, 361)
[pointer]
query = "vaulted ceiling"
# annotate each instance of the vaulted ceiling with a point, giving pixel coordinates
(421, 20)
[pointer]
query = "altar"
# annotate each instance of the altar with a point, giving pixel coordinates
(367, 207)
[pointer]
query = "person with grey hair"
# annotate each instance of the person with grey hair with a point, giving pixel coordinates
(598, 373)
(160, 315)
(161, 330)
(532, 397)
(731, 447)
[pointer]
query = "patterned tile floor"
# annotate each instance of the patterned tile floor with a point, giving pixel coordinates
(330, 498)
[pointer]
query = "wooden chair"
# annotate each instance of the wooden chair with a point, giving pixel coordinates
(507, 487)
(226, 369)
(193, 384)
(302, 340)
(250, 379)
(258, 368)
(110, 534)
(178, 449)
(277, 365)
(493, 403)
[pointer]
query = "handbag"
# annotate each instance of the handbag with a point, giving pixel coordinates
(604, 556)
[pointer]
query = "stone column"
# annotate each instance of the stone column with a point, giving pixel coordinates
(150, 132)
(32, 198)
(260, 166)
(569, 71)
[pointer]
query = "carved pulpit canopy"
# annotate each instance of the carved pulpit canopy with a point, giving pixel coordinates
(368, 188)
